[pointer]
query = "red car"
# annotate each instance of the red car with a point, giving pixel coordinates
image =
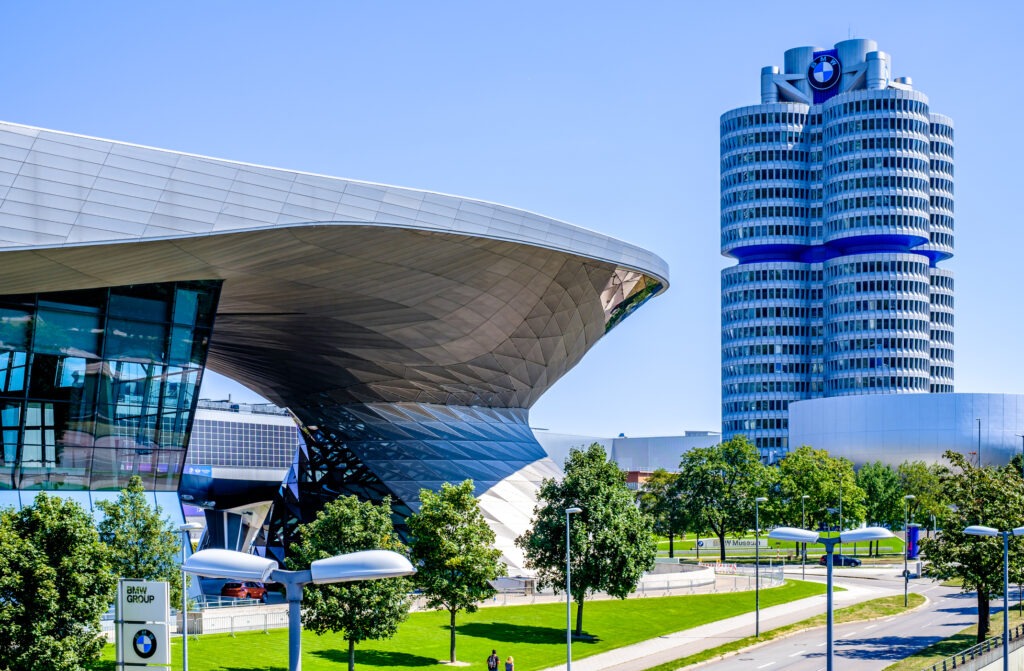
(245, 590)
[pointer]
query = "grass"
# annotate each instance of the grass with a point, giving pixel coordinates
(868, 610)
(534, 634)
(965, 638)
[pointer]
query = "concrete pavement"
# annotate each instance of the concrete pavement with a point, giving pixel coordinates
(673, 646)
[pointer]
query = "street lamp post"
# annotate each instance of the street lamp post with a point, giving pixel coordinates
(976, 530)
(757, 565)
(364, 565)
(906, 547)
(803, 546)
(568, 591)
(185, 541)
(805, 536)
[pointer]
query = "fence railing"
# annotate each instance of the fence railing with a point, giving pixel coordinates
(966, 657)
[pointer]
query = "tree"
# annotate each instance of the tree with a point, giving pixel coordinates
(142, 544)
(659, 498)
(806, 471)
(883, 495)
(989, 496)
(362, 610)
(611, 540)
(55, 583)
(718, 485)
(453, 549)
(924, 481)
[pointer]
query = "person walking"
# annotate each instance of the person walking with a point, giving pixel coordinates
(510, 664)
(493, 661)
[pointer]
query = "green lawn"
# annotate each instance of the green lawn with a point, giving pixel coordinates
(534, 635)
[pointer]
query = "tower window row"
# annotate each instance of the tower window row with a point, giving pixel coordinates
(755, 406)
(883, 266)
(875, 362)
(876, 123)
(773, 330)
(848, 223)
(771, 275)
(766, 211)
(900, 304)
(940, 184)
(880, 182)
(772, 387)
(764, 193)
(877, 200)
(942, 202)
(770, 367)
(942, 281)
(941, 165)
(771, 293)
(770, 349)
(942, 148)
(772, 312)
(762, 137)
(893, 324)
(870, 143)
(765, 156)
(841, 167)
(770, 174)
(754, 424)
(941, 130)
(867, 286)
(764, 118)
(890, 382)
(887, 104)
(941, 336)
(877, 344)
(942, 318)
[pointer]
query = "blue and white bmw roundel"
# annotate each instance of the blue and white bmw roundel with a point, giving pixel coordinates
(824, 72)
(144, 643)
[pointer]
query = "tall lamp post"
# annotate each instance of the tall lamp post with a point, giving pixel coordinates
(568, 591)
(976, 530)
(805, 536)
(186, 541)
(906, 547)
(364, 565)
(757, 565)
(803, 546)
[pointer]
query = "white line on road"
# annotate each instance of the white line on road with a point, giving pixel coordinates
(763, 666)
(799, 652)
(870, 626)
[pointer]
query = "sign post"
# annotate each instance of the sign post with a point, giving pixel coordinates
(142, 618)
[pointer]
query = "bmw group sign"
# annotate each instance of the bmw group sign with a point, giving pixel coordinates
(143, 616)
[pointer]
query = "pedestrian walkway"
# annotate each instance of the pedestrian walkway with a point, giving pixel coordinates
(691, 641)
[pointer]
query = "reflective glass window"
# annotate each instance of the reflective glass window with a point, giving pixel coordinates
(12, 373)
(60, 332)
(186, 306)
(14, 328)
(136, 340)
(143, 302)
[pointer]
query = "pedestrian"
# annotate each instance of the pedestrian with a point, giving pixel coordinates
(492, 661)
(510, 664)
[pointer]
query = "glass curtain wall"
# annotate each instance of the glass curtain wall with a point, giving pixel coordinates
(98, 385)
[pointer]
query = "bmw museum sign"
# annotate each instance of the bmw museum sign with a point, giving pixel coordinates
(823, 74)
(143, 617)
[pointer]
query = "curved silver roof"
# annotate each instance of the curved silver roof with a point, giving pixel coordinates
(334, 290)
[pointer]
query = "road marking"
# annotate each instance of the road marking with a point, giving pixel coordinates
(870, 626)
(763, 666)
(798, 652)
(889, 620)
(820, 644)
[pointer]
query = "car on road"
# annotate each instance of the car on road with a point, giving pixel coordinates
(840, 560)
(245, 590)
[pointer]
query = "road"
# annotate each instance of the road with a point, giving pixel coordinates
(865, 646)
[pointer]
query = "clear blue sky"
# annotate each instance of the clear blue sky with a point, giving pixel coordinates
(602, 114)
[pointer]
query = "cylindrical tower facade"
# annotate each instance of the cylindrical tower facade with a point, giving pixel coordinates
(837, 205)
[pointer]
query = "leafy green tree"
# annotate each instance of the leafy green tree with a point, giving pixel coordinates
(362, 610)
(924, 481)
(55, 583)
(883, 492)
(142, 544)
(988, 496)
(806, 471)
(453, 550)
(659, 498)
(611, 540)
(718, 485)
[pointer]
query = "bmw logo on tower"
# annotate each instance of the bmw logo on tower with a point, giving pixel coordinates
(824, 72)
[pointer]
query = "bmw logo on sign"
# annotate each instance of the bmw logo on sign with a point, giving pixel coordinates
(144, 643)
(824, 72)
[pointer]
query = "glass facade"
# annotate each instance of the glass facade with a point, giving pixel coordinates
(98, 385)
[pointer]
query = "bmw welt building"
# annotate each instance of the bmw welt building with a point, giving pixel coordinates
(408, 332)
